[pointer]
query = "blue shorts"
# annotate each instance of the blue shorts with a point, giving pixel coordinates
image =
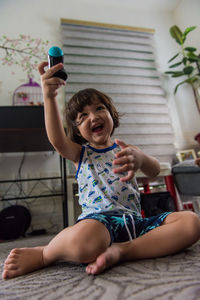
(126, 226)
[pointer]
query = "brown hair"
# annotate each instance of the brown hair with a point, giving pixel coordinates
(78, 102)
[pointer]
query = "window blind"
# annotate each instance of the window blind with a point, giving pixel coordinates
(120, 61)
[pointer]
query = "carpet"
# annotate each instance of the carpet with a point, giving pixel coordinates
(168, 278)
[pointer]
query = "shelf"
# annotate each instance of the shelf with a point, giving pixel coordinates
(31, 197)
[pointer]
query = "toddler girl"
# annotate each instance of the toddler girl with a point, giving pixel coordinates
(110, 228)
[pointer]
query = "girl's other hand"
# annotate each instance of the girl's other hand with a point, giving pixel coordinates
(129, 159)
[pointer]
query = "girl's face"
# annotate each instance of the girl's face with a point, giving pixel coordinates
(95, 125)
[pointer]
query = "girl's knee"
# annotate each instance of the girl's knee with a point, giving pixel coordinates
(87, 245)
(85, 251)
(191, 223)
(188, 222)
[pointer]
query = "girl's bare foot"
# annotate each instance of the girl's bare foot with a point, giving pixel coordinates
(23, 260)
(110, 257)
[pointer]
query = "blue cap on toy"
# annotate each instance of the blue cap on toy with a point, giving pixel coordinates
(55, 52)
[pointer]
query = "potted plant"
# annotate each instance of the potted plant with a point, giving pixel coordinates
(188, 64)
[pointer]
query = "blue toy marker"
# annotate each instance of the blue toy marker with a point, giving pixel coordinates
(56, 56)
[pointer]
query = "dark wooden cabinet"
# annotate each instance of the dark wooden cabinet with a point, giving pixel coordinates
(22, 129)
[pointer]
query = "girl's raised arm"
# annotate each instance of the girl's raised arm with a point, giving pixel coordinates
(53, 122)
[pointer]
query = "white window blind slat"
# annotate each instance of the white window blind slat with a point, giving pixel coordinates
(74, 68)
(92, 30)
(106, 35)
(102, 44)
(157, 151)
(121, 62)
(110, 61)
(134, 108)
(150, 139)
(126, 129)
(110, 88)
(158, 119)
(140, 98)
(133, 98)
(85, 51)
(117, 79)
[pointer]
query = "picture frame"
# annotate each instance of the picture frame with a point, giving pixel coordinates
(188, 154)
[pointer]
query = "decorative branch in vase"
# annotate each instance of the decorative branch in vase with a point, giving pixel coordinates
(24, 51)
(188, 64)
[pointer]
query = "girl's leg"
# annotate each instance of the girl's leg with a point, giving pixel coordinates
(178, 231)
(83, 243)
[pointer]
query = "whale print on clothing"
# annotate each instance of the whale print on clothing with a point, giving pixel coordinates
(83, 188)
(111, 205)
(90, 166)
(124, 188)
(131, 197)
(84, 206)
(114, 198)
(112, 181)
(104, 171)
(94, 182)
(108, 164)
(98, 199)
(89, 153)
(98, 157)
(91, 193)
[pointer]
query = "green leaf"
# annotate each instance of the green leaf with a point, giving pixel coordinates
(177, 34)
(184, 60)
(191, 54)
(178, 74)
(188, 70)
(188, 29)
(177, 86)
(170, 72)
(191, 60)
(192, 79)
(176, 65)
(189, 81)
(173, 57)
(190, 49)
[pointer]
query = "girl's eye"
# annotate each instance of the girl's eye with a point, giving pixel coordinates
(83, 115)
(81, 118)
(100, 107)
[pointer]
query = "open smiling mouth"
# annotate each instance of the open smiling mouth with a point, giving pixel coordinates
(97, 128)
